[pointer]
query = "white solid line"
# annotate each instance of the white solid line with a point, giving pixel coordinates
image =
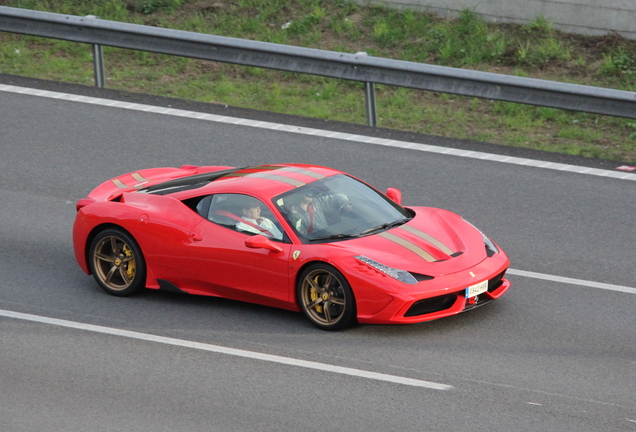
(572, 281)
(228, 351)
(324, 133)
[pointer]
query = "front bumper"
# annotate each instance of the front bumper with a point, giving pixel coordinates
(444, 296)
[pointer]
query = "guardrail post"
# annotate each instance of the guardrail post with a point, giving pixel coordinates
(98, 64)
(369, 96)
(98, 61)
(369, 100)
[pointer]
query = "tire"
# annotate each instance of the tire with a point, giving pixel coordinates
(117, 263)
(325, 297)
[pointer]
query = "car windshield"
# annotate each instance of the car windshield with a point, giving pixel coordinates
(337, 208)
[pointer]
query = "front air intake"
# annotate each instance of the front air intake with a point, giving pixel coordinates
(495, 283)
(430, 305)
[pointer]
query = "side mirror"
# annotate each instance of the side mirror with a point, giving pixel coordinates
(262, 242)
(395, 195)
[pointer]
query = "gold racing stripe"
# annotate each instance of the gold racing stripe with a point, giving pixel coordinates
(432, 240)
(304, 172)
(410, 246)
(119, 184)
(296, 170)
(269, 176)
(138, 177)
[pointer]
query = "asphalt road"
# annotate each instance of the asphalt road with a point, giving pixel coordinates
(548, 356)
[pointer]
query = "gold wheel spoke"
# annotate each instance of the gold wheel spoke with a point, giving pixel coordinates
(124, 275)
(315, 286)
(113, 245)
(326, 308)
(110, 274)
(328, 281)
(314, 303)
(337, 301)
(102, 257)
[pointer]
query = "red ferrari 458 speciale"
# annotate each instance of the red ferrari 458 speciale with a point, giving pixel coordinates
(298, 237)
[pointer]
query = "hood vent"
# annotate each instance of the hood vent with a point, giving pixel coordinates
(421, 277)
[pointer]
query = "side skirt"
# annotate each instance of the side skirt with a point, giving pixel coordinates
(165, 285)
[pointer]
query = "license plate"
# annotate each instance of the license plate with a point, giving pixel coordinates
(477, 289)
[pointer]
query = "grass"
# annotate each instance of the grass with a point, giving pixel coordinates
(532, 50)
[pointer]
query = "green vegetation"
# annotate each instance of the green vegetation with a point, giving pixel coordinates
(533, 50)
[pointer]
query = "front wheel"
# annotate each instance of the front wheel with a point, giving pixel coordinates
(325, 297)
(116, 262)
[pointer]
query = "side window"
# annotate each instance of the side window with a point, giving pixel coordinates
(242, 213)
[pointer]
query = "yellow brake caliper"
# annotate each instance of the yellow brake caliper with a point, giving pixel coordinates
(130, 265)
(314, 296)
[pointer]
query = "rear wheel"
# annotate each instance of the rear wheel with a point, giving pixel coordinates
(325, 297)
(116, 262)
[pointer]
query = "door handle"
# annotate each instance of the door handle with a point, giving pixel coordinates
(195, 237)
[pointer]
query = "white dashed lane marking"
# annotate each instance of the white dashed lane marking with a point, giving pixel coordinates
(228, 351)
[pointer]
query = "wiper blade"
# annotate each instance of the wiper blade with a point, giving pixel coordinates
(335, 237)
(385, 226)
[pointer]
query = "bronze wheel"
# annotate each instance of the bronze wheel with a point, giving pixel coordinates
(325, 297)
(117, 263)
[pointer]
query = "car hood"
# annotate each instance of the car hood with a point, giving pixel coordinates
(434, 243)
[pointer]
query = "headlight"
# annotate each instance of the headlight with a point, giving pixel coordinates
(401, 275)
(491, 248)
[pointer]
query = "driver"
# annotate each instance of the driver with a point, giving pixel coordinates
(313, 211)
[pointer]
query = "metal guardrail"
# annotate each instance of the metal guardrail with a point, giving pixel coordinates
(355, 67)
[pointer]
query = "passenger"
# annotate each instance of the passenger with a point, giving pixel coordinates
(253, 222)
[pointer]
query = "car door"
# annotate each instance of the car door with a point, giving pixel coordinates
(224, 265)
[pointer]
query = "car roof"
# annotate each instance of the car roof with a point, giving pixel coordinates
(265, 181)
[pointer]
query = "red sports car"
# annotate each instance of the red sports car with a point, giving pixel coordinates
(298, 237)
